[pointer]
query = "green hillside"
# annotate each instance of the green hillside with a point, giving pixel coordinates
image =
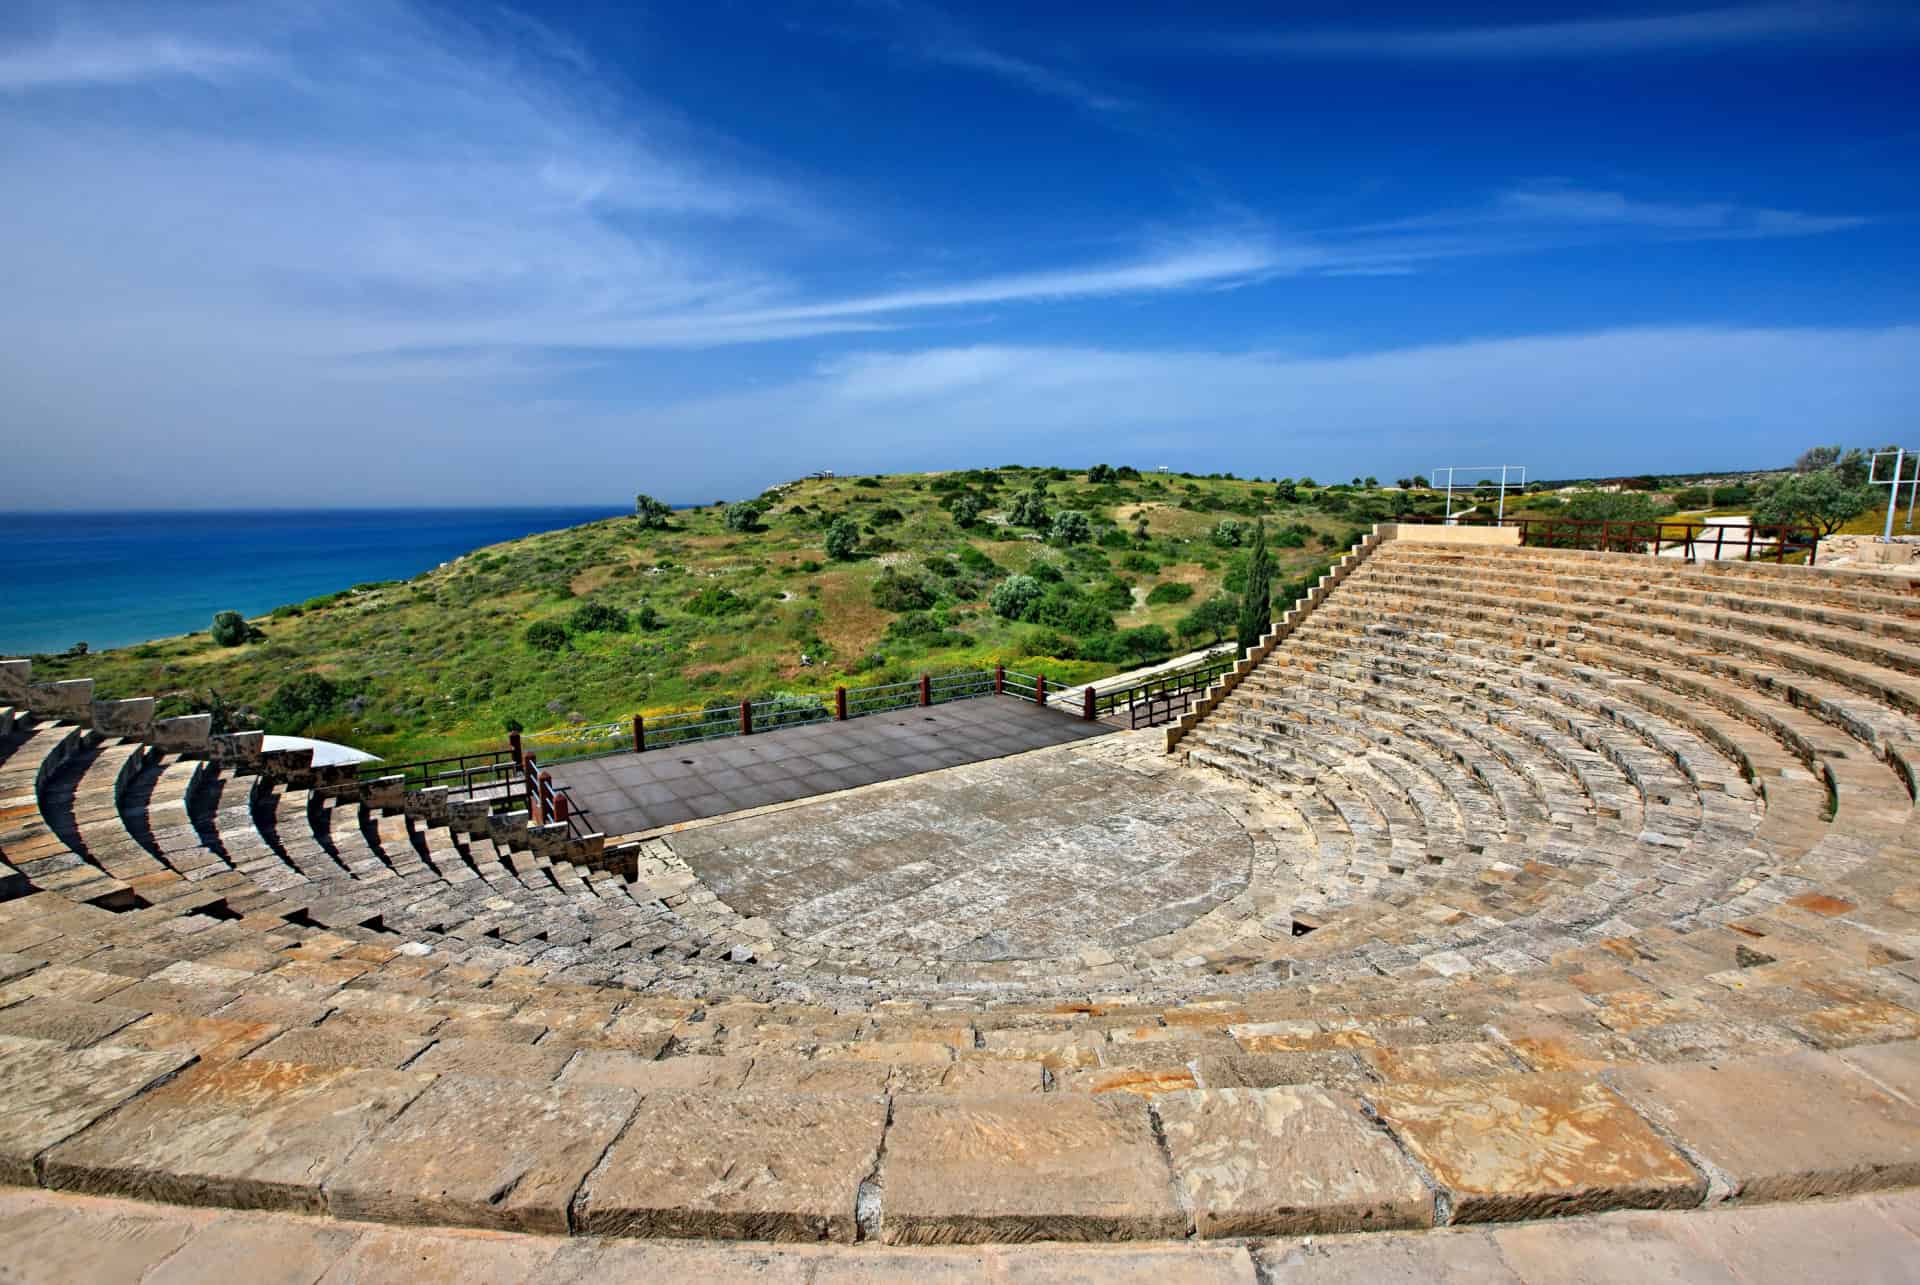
(603, 621)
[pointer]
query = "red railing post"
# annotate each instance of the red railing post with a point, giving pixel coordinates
(1606, 536)
(1040, 689)
(1086, 705)
(513, 743)
(840, 704)
(639, 734)
(746, 718)
(534, 813)
(999, 679)
(926, 691)
(1719, 540)
(559, 805)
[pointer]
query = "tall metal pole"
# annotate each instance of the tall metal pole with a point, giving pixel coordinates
(1449, 496)
(1912, 491)
(1893, 492)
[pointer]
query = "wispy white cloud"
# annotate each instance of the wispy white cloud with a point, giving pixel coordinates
(1580, 37)
(925, 33)
(53, 47)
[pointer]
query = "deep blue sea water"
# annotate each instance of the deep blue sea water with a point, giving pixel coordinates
(109, 579)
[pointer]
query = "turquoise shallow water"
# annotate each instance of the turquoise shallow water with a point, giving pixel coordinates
(109, 579)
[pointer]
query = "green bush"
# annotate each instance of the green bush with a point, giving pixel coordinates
(1172, 591)
(1114, 595)
(650, 514)
(843, 540)
(1016, 596)
(1140, 562)
(1693, 497)
(895, 592)
(1045, 573)
(1114, 538)
(744, 516)
(546, 635)
(1728, 496)
(597, 617)
(647, 617)
(715, 601)
(965, 509)
(299, 703)
(1227, 534)
(229, 628)
(1070, 527)
(1211, 621)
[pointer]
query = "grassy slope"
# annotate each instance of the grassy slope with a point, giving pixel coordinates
(439, 663)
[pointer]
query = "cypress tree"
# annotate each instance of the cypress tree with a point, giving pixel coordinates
(1256, 606)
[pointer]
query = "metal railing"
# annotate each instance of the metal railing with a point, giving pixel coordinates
(462, 775)
(1163, 697)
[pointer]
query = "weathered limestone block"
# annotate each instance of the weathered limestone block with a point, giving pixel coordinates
(384, 793)
(467, 816)
(187, 734)
(429, 804)
(508, 829)
(1536, 1146)
(483, 1152)
(1062, 1166)
(70, 699)
(1283, 1162)
(16, 676)
(291, 768)
(549, 841)
(742, 1166)
(240, 751)
(49, 1093)
(132, 718)
(248, 1135)
(1784, 1128)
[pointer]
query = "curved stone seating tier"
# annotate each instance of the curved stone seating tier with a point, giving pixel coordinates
(1508, 883)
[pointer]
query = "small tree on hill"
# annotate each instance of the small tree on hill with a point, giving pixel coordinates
(1070, 527)
(1815, 458)
(597, 617)
(1210, 621)
(1014, 598)
(1822, 500)
(229, 628)
(650, 513)
(843, 540)
(546, 635)
(1256, 604)
(965, 509)
(744, 516)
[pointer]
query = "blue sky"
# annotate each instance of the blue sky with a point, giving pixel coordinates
(383, 252)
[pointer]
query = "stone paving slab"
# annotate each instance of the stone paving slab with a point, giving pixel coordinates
(479, 1152)
(1783, 1128)
(245, 1135)
(629, 793)
(1272, 1162)
(49, 1092)
(1536, 1146)
(1024, 1167)
(55, 1238)
(745, 1166)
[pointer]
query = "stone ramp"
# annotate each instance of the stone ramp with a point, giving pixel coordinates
(52, 1239)
(622, 794)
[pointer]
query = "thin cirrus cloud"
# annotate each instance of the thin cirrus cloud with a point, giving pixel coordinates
(1700, 29)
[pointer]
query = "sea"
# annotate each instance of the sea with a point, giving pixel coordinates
(111, 579)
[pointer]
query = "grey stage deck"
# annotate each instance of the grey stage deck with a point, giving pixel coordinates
(626, 793)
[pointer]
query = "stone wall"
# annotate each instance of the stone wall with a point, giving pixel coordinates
(1837, 550)
(1482, 537)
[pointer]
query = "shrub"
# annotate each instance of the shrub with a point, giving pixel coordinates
(1030, 509)
(873, 482)
(1738, 493)
(1045, 573)
(1114, 594)
(1070, 527)
(1211, 621)
(886, 516)
(843, 540)
(596, 617)
(647, 617)
(744, 516)
(229, 628)
(1693, 497)
(649, 513)
(1140, 562)
(966, 510)
(1172, 591)
(715, 601)
(1062, 607)
(1100, 474)
(1822, 500)
(1114, 538)
(895, 592)
(1291, 538)
(300, 702)
(1227, 534)
(546, 635)
(1016, 596)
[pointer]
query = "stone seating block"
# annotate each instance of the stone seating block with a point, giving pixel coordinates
(482, 1152)
(49, 1093)
(1063, 1166)
(748, 1166)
